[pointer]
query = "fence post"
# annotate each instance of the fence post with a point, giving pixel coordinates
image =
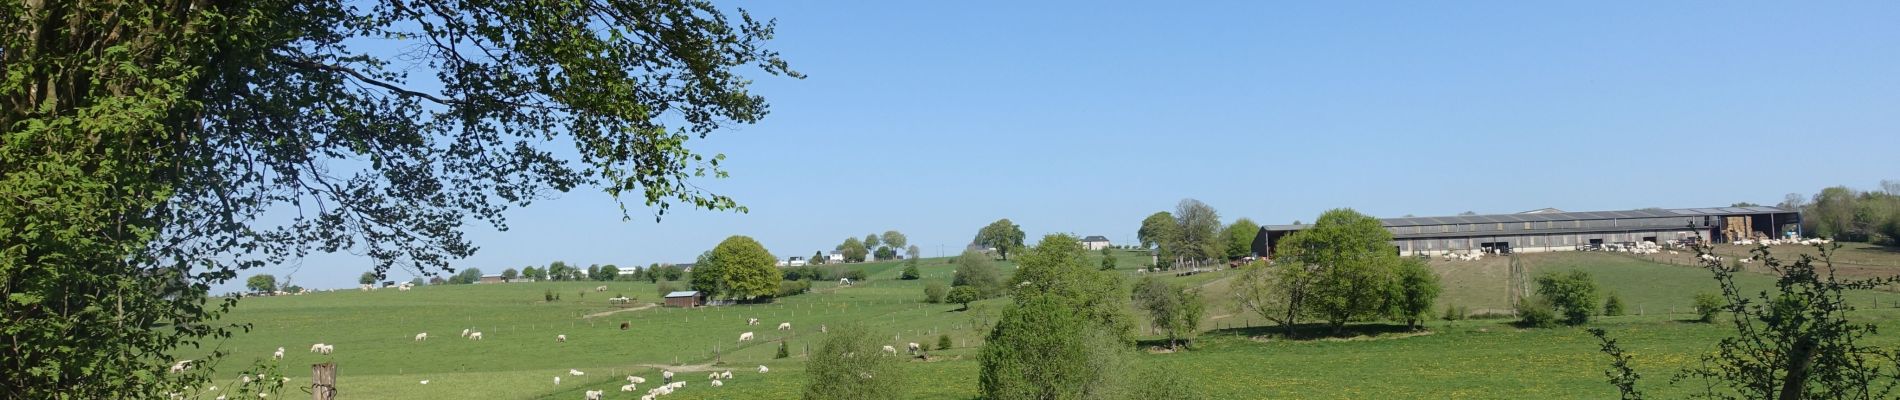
(323, 381)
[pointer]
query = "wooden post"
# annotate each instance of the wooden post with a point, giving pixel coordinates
(323, 381)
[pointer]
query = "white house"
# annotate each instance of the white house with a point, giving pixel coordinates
(1095, 242)
(835, 257)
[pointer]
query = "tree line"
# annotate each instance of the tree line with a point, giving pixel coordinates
(1847, 214)
(1193, 233)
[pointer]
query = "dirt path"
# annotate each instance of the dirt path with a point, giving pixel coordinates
(607, 313)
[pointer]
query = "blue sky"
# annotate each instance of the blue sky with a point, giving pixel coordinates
(935, 118)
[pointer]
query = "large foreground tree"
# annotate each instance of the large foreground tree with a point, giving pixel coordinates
(140, 142)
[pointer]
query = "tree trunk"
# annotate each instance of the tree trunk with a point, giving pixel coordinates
(1800, 358)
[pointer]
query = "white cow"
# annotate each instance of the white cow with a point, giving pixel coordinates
(560, 338)
(716, 383)
(914, 348)
(425, 381)
(751, 321)
(279, 355)
(601, 288)
(422, 336)
(763, 369)
(594, 394)
(636, 379)
(784, 326)
(844, 281)
(627, 387)
(727, 374)
(666, 375)
(464, 332)
(316, 347)
(745, 336)
(557, 381)
(891, 350)
(575, 372)
(477, 336)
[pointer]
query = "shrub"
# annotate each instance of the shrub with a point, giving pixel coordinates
(910, 272)
(789, 288)
(848, 365)
(934, 292)
(1536, 313)
(1454, 313)
(1706, 306)
(943, 342)
(964, 295)
(783, 351)
(548, 295)
(665, 288)
(1572, 294)
(1613, 306)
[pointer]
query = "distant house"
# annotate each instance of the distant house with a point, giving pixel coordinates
(1095, 243)
(491, 278)
(835, 257)
(687, 298)
(795, 262)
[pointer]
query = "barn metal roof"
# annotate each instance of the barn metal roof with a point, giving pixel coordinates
(1559, 216)
(688, 293)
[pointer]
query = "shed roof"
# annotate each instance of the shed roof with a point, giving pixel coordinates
(683, 293)
(1095, 238)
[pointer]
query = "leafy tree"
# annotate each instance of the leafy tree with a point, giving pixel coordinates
(654, 273)
(1613, 305)
(817, 257)
(1158, 230)
(1794, 342)
(609, 272)
(886, 253)
(673, 273)
(665, 287)
(467, 276)
(1002, 235)
(1417, 289)
(1274, 291)
(1572, 294)
(977, 271)
(963, 294)
(1339, 270)
(367, 278)
(413, 282)
(739, 268)
(155, 136)
(1237, 238)
(1197, 238)
(853, 249)
(531, 272)
(1707, 307)
(261, 283)
(872, 241)
(1171, 308)
(593, 272)
(895, 239)
(1057, 266)
(558, 271)
(509, 274)
(913, 252)
(299, 289)
(934, 292)
(849, 365)
(1042, 349)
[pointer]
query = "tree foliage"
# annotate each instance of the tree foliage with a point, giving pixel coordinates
(872, 241)
(261, 283)
(1066, 332)
(1173, 309)
(886, 253)
(1792, 342)
(934, 292)
(145, 140)
(1417, 291)
(963, 294)
(895, 239)
(850, 365)
(1237, 238)
(367, 278)
(913, 252)
(975, 270)
(1158, 229)
(739, 268)
(1003, 235)
(1572, 294)
(853, 249)
(510, 274)
(1342, 269)
(1199, 235)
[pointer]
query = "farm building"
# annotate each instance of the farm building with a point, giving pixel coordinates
(490, 278)
(688, 298)
(1556, 230)
(1095, 242)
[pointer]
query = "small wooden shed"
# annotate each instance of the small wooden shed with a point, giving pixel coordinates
(688, 298)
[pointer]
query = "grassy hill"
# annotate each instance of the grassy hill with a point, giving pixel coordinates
(519, 357)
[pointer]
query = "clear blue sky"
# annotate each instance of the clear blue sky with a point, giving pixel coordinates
(935, 118)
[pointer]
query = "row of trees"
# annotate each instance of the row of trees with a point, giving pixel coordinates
(1194, 232)
(1342, 269)
(1847, 214)
(883, 246)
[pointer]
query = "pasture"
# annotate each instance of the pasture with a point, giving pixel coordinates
(518, 358)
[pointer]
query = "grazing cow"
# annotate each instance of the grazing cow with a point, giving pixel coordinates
(784, 326)
(666, 376)
(594, 394)
(625, 325)
(279, 355)
(745, 336)
(425, 381)
(763, 369)
(712, 376)
(751, 321)
(557, 381)
(635, 379)
(422, 336)
(914, 348)
(821, 329)
(890, 350)
(575, 372)
(477, 336)
(627, 388)
(560, 338)
(844, 281)
(727, 374)
(716, 383)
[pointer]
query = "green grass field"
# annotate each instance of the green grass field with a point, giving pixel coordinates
(519, 358)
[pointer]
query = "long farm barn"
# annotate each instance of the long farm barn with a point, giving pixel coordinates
(1554, 230)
